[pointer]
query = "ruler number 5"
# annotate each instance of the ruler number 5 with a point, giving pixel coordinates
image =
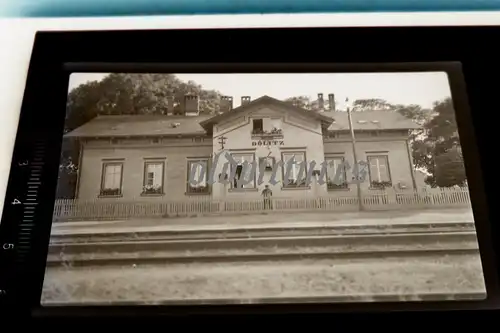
(8, 246)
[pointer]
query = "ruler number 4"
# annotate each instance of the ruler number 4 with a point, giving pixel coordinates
(16, 202)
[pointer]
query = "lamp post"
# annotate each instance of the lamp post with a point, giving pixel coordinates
(355, 155)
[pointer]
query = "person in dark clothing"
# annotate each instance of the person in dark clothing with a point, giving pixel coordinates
(267, 194)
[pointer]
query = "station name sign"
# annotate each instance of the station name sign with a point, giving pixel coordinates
(268, 143)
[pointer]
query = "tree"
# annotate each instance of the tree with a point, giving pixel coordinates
(300, 101)
(371, 104)
(449, 170)
(438, 150)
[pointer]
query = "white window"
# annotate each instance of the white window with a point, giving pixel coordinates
(153, 177)
(244, 171)
(336, 173)
(197, 176)
(379, 169)
(112, 178)
(295, 167)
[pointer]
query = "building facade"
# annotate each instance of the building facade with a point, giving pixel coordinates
(152, 157)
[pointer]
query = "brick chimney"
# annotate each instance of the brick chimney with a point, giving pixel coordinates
(331, 102)
(245, 100)
(321, 102)
(170, 105)
(226, 103)
(191, 105)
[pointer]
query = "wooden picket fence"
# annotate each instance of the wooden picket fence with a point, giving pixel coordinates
(389, 199)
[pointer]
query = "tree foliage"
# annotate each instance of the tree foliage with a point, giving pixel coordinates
(300, 101)
(133, 94)
(450, 169)
(371, 104)
(438, 149)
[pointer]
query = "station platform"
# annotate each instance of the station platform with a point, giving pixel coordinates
(262, 221)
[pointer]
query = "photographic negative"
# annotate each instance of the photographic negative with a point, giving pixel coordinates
(224, 188)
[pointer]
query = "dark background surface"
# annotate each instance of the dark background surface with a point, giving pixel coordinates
(57, 54)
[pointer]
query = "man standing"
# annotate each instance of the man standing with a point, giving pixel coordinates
(267, 194)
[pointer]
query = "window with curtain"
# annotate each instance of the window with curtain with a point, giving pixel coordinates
(336, 177)
(380, 175)
(297, 161)
(112, 178)
(198, 169)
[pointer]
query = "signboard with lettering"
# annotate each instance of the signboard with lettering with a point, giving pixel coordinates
(268, 143)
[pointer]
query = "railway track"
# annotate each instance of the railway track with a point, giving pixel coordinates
(68, 236)
(291, 256)
(340, 247)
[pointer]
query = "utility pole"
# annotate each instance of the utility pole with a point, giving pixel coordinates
(355, 157)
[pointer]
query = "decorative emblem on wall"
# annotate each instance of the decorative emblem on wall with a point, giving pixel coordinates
(222, 141)
(268, 161)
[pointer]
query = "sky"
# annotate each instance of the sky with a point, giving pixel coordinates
(422, 88)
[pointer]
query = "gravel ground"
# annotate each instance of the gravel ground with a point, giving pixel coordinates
(307, 278)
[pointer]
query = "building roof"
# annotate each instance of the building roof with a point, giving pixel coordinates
(370, 120)
(140, 125)
(163, 125)
(266, 100)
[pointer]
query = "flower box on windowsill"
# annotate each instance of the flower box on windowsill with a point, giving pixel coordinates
(110, 193)
(380, 185)
(337, 187)
(198, 190)
(152, 194)
(273, 134)
(152, 190)
(294, 185)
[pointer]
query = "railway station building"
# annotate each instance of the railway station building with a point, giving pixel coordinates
(151, 157)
